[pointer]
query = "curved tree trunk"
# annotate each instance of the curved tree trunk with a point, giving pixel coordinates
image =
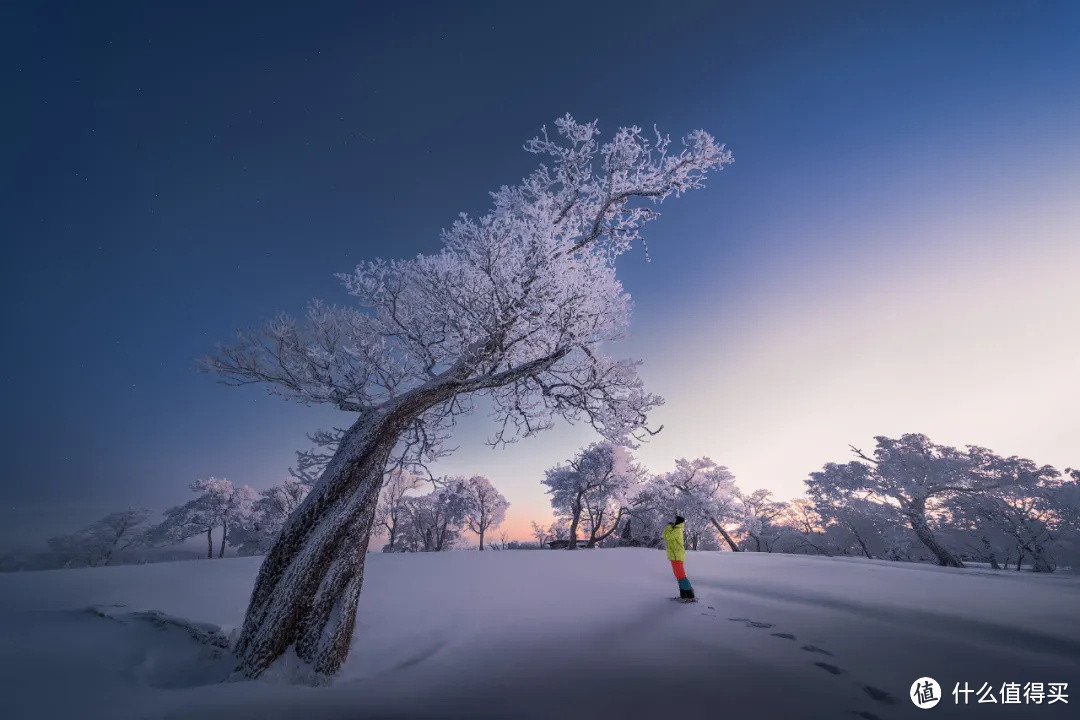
(572, 545)
(727, 538)
(595, 539)
(224, 536)
(917, 518)
(1040, 559)
(307, 589)
(862, 544)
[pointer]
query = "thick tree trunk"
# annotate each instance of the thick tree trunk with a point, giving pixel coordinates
(210, 543)
(481, 538)
(307, 589)
(916, 513)
(572, 545)
(224, 535)
(1040, 561)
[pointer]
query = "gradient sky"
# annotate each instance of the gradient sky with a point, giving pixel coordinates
(896, 248)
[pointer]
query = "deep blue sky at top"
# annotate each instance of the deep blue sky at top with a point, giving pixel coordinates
(175, 174)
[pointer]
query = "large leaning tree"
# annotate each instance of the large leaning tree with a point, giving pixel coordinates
(515, 306)
(916, 476)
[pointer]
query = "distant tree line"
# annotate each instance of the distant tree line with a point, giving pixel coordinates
(910, 499)
(237, 516)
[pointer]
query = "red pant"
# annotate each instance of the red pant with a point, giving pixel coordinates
(686, 590)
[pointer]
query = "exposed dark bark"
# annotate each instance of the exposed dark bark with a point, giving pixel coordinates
(577, 508)
(862, 544)
(916, 514)
(210, 543)
(990, 551)
(594, 538)
(224, 536)
(724, 534)
(307, 589)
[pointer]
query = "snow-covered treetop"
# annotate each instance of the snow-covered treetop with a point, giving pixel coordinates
(515, 305)
(599, 472)
(913, 469)
(700, 485)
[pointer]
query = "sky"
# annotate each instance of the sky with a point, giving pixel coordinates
(895, 248)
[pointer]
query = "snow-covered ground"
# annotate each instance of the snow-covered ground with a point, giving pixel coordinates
(554, 634)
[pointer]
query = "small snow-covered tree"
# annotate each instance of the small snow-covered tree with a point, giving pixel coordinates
(98, 543)
(701, 486)
(516, 306)
(486, 507)
(433, 522)
(540, 533)
(219, 504)
(226, 503)
(591, 488)
(605, 501)
(391, 508)
(195, 517)
(559, 530)
(255, 532)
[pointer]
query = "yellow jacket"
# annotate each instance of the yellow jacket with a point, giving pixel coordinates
(673, 536)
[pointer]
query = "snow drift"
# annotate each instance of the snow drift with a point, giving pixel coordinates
(546, 635)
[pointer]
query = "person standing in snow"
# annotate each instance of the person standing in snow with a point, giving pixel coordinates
(676, 553)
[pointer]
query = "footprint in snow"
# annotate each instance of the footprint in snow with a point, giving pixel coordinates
(830, 668)
(878, 694)
(816, 649)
